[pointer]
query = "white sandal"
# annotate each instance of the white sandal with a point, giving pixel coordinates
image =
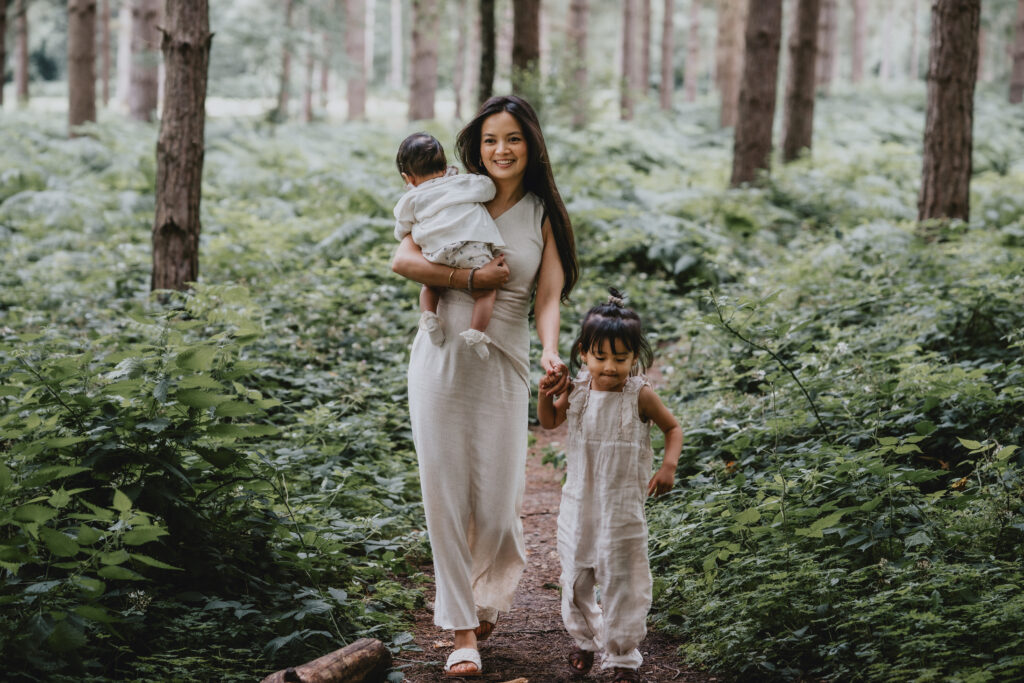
(462, 656)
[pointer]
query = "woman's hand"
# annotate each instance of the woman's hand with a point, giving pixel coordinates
(493, 275)
(556, 375)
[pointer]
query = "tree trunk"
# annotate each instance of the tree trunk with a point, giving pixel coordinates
(487, 51)
(307, 91)
(626, 97)
(284, 87)
(1017, 77)
(180, 147)
(473, 56)
(395, 73)
(643, 65)
(915, 62)
(369, 37)
(104, 51)
(860, 12)
(885, 63)
(364, 661)
(692, 72)
(578, 11)
(145, 64)
(952, 69)
(504, 30)
(21, 52)
(732, 21)
(81, 63)
(459, 72)
(3, 47)
(752, 147)
(668, 72)
(325, 69)
(982, 53)
(526, 48)
(355, 50)
(798, 117)
(827, 31)
(124, 54)
(423, 84)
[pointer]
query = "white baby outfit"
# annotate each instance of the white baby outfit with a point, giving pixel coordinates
(602, 530)
(447, 220)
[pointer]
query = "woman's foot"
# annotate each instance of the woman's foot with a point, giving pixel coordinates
(621, 675)
(464, 663)
(581, 661)
(431, 324)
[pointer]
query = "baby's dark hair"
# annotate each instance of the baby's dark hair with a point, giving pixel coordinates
(615, 322)
(420, 155)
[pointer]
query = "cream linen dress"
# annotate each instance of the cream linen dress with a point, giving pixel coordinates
(602, 530)
(469, 420)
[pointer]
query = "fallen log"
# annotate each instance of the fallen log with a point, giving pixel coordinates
(364, 661)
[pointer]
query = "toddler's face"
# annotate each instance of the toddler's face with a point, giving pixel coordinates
(609, 366)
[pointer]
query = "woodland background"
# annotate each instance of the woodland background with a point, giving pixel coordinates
(217, 479)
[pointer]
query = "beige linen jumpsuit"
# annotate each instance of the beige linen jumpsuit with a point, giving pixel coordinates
(602, 530)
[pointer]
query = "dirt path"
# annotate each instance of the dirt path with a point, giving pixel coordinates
(530, 642)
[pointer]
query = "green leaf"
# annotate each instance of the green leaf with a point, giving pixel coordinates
(95, 613)
(908, 448)
(58, 543)
(828, 522)
(236, 409)
(197, 358)
(92, 588)
(1005, 452)
(34, 513)
(87, 535)
(888, 440)
(5, 478)
(918, 538)
(152, 562)
(117, 573)
(143, 534)
(199, 398)
(122, 503)
(871, 504)
(65, 637)
(969, 444)
(64, 441)
(241, 431)
(340, 596)
(748, 516)
(114, 557)
(218, 457)
(60, 498)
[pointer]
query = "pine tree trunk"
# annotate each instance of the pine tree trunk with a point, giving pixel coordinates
(124, 55)
(827, 32)
(180, 147)
(284, 87)
(487, 51)
(21, 52)
(3, 47)
(459, 71)
(369, 38)
(952, 70)
(526, 47)
(668, 72)
(626, 97)
(729, 51)
(505, 30)
(423, 84)
(578, 13)
(915, 62)
(982, 53)
(395, 73)
(885, 64)
(325, 69)
(752, 147)
(692, 72)
(144, 89)
(643, 65)
(307, 93)
(798, 117)
(105, 51)
(81, 63)
(473, 58)
(860, 15)
(355, 50)
(1017, 76)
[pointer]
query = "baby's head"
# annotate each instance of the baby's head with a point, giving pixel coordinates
(612, 330)
(421, 158)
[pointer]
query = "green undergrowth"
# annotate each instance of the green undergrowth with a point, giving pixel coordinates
(217, 484)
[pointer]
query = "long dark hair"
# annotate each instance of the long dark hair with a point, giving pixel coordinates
(538, 179)
(615, 323)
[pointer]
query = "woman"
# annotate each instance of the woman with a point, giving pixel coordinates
(469, 415)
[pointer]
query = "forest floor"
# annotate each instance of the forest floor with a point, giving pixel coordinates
(530, 642)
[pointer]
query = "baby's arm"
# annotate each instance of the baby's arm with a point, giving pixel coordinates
(651, 408)
(551, 411)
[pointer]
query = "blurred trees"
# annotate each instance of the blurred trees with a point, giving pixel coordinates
(1017, 77)
(81, 62)
(628, 84)
(526, 48)
(3, 47)
(423, 82)
(144, 84)
(21, 50)
(692, 71)
(732, 21)
(355, 49)
(668, 73)
(577, 60)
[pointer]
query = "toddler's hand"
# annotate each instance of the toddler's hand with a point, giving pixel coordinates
(662, 481)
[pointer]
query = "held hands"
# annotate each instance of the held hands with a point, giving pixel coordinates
(556, 377)
(493, 275)
(662, 481)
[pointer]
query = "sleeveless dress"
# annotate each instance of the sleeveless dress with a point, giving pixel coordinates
(602, 530)
(469, 426)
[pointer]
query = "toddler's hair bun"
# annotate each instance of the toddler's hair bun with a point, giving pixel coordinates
(616, 297)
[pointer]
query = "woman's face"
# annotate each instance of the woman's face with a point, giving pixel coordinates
(503, 148)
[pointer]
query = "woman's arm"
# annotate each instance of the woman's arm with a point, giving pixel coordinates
(546, 309)
(651, 408)
(410, 264)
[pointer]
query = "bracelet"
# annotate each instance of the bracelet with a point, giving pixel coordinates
(450, 278)
(471, 273)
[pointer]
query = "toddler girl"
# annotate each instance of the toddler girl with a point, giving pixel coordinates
(443, 213)
(602, 531)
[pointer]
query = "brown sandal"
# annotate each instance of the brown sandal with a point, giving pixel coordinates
(622, 675)
(484, 630)
(581, 661)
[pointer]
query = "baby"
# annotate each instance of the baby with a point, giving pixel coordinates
(443, 213)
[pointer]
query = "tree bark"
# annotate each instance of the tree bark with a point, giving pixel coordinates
(284, 87)
(395, 73)
(692, 72)
(643, 65)
(423, 84)
(578, 13)
(124, 54)
(627, 94)
(180, 147)
(364, 661)
(355, 50)
(325, 69)
(104, 50)
(526, 47)
(915, 61)
(145, 65)
(369, 37)
(1017, 76)
(732, 21)
(952, 70)
(827, 31)
(885, 63)
(752, 145)
(668, 72)
(860, 12)
(81, 63)
(307, 92)
(3, 47)
(487, 51)
(21, 52)
(459, 72)
(798, 117)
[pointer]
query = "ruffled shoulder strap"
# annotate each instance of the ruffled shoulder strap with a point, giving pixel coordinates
(580, 393)
(635, 383)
